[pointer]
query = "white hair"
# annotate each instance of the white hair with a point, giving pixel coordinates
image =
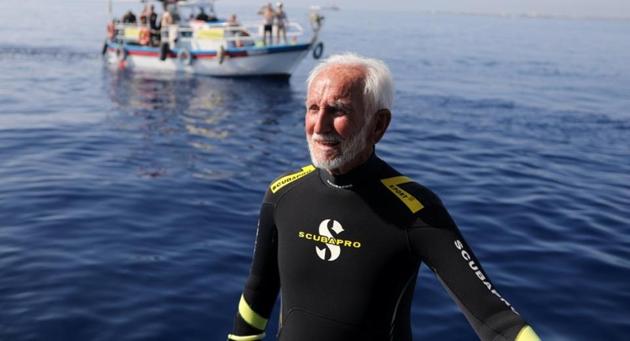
(378, 87)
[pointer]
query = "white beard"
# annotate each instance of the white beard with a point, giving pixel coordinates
(349, 148)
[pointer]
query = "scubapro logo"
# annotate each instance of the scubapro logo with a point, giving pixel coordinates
(335, 250)
(332, 244)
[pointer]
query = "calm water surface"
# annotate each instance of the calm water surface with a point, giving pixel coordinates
(128, 201)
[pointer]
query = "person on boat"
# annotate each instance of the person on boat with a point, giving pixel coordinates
(343, 239)
(316, 19)
(167, 19)
(202, 16)
(233, 21)
(235, 30)
(268, 16)
(129, 18)
(153, 18)
(144, 14)
(281, 21)
(168, 28)
(153, 26)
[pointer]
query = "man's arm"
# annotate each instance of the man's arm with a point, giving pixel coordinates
(262, 284)
(437, 240)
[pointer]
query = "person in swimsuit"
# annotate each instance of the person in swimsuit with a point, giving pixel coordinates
(268, 15)
(281, 23)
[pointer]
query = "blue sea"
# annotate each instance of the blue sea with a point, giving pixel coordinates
(129, 201)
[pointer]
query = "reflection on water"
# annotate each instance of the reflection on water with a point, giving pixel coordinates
(184, 120)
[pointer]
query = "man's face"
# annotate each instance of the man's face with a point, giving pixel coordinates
(335, 124)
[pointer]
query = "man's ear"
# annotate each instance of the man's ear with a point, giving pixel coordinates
(381, 122)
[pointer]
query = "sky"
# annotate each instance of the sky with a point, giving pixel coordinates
(579, 8)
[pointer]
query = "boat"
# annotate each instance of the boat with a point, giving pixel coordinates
(207, 45)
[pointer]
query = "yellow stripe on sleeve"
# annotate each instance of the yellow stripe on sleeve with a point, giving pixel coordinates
(410, 201)
(527, 334)
(233, 337)
(250, 316)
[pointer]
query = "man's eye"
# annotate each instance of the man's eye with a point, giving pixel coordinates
(313, 108)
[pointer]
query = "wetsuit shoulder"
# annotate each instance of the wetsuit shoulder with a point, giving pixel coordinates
(288, 180)
(433, 212)
(410, 193)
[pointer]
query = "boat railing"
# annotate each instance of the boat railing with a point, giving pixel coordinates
(246, 34)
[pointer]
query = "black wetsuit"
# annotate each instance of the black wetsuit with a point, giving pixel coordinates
(346, 252)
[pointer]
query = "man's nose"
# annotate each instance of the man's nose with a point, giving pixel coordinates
(323, 122)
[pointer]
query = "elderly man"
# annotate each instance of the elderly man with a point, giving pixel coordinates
(343, 238)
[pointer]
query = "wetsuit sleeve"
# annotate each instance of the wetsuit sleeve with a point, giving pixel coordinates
(262, 285)
(435, 238)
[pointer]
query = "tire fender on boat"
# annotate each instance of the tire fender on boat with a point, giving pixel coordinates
(185, 57)
(221, 54)
(145, 36)
(318, 50)
(121, 54)
(164, 50)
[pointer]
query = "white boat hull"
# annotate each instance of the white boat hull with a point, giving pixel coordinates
(255, 61)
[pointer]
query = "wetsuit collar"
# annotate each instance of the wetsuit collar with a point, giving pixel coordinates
(368, 170)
